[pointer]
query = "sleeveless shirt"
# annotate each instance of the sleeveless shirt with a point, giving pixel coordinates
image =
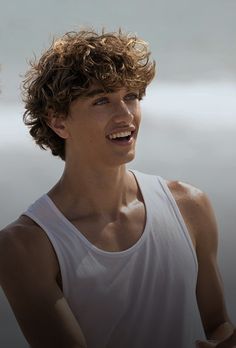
(141, 297)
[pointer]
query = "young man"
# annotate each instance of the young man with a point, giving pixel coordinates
(108, 258)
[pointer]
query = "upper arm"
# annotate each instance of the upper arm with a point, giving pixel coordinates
(201, 222)
(28, 278)
(210, 294)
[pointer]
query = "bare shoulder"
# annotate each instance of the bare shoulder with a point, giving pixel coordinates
(188, 195)
(197, 212)
(22, 233)
(23, 242)
(18, 229)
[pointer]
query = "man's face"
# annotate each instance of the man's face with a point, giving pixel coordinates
(102, 127)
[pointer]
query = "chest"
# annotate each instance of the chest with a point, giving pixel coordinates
(116, 234)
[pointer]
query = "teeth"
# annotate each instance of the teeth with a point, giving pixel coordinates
(119, 135)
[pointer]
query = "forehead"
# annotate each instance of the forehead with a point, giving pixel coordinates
(97, 88)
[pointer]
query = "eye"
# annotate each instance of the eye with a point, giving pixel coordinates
(101, 101)
(132, 96)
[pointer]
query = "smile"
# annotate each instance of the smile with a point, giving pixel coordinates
(122, 138)
(121, 135)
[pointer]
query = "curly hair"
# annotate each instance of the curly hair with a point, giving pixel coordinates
(67, 69)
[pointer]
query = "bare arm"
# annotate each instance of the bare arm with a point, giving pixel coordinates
(28, 272)
(200, 220)
(209, 286)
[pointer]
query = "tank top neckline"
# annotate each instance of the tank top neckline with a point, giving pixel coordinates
(93, 247)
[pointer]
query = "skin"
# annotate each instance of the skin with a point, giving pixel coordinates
(105, 195)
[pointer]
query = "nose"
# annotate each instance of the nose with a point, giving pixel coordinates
(122, 113)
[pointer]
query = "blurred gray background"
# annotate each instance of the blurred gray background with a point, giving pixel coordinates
(189, 113)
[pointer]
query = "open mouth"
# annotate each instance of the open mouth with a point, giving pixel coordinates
(123, 137)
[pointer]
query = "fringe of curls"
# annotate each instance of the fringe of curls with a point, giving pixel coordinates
(69, 66)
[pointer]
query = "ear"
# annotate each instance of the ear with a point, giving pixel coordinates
(58, 124)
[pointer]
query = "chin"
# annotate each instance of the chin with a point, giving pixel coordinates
(130, 157)
(124, 159)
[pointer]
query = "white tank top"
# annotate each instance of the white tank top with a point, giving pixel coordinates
(141, 297)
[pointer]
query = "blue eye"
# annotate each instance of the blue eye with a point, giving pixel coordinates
(132, 96)
(100, 101)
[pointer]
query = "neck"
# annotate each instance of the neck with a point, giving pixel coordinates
(90, 191)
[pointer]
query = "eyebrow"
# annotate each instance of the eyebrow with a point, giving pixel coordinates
(97, 91)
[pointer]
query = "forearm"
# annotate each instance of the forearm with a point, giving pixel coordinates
(223, 331)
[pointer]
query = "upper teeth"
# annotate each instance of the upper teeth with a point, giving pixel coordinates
(119, 135)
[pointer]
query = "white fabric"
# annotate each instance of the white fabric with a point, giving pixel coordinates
(142, 297)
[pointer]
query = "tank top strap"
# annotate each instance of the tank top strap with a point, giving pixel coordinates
(149, 184)
(155, 188)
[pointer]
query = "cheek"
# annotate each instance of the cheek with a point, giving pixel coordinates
(92, 135)
(138, 115)
(91, 139)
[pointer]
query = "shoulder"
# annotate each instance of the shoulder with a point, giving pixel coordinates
(197, 211)
(23, 243)
(22, 233)
(189, 196)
